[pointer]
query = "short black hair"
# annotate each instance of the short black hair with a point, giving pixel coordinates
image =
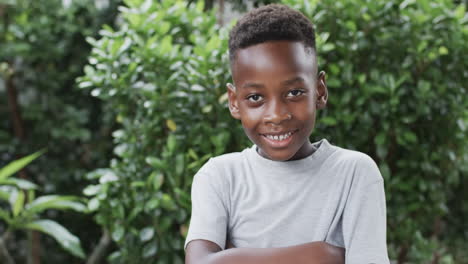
(269, 23)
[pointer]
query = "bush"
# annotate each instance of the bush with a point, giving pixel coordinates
(398, 76)
(24, 210)
(163, 72)
(42, 51)
(397, 82)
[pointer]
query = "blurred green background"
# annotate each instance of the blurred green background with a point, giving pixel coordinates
(127, 101)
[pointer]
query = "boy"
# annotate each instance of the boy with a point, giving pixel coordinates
(284, 200)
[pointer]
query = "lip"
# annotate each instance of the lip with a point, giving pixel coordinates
(279, 143)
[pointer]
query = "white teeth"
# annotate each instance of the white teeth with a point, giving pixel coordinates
(280, 137)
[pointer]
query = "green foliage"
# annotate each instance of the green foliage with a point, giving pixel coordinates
(42, 51)
(398, 75)
(67, 240)
(24, 209)
(397, 83)
(163, 72)
(17, 165)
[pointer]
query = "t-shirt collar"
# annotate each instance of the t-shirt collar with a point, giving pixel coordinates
(311, 162)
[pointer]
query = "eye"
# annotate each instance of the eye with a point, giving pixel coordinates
(254, 98)
(295, 93)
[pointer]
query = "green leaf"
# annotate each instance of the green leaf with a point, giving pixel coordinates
(164, 27)
(85, 84)
(385, 170)
(146, 233)
(107, 176)
(168, 203)
(327, 47)
(443, 50)
(17, 165)
(223, 98)
(213, 43)
(200, 6)
(92, 190)
(152, 204)
(179, 164)
(182, 197)
(134, 212)
(146, 5)
(165, 46)
(328, 120)
(406, 3)
(114, 48)
(126, 44)
(460, 11)
(93, 204)
(66, 239)
(91, 41)
(157, 180)
(150, 250)
(207, 109)
(193, 154)
(20, 183)
(18, 203)
(118, 233)
(351, 25)
(55, 202)
(171, 125)
(4, 194)
(114, 257)
(5, 215)
(171, 143)
(410, 137)
(155, 162)
(380, 138)
(137, 184)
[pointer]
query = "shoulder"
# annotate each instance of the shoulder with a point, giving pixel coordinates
(352, 156)
(219, 168)
(362, 167)
(229, 162)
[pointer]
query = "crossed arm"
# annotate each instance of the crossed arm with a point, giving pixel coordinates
(207, 252)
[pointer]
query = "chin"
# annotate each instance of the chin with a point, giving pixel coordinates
(276, 156)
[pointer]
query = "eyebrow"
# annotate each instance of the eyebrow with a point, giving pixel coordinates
(292, 81)
(283, 83)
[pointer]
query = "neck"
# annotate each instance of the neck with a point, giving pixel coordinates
(306, 150)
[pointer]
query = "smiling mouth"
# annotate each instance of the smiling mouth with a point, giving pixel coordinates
(279, 137)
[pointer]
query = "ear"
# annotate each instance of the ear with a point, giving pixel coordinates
(233, 103)
(322, 91)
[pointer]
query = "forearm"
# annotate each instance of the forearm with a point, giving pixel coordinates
(309, 253)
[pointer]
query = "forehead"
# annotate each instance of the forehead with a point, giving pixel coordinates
(273, 60)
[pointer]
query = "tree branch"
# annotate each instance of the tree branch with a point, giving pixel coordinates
(5, 256)
(100, 250)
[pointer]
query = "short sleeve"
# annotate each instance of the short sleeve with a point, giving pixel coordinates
(364, 217)
(209, 219)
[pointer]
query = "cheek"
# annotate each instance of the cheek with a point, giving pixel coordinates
(305, 111)
(251, 117)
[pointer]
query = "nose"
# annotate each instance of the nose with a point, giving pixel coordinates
(276, 113)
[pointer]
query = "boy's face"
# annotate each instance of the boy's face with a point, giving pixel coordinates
(276, 95)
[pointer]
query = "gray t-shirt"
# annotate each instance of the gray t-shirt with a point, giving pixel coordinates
(334, 195)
